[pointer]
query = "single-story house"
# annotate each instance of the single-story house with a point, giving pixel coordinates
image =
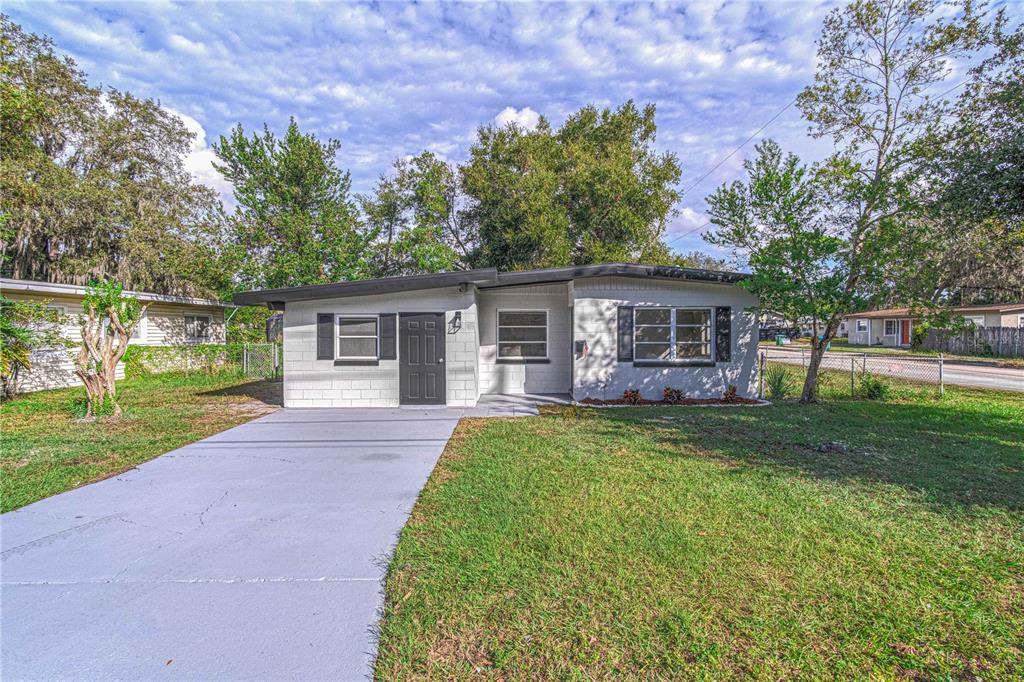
(893, 326)
(168, 321)
(449, 338)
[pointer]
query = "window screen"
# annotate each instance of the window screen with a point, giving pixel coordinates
(522, 334)
(672, 334)
(357, 337)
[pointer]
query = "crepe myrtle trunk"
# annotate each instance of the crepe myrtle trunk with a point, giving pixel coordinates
(818, 346)
(104, 343)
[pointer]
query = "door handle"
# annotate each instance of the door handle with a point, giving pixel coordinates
(440, 361)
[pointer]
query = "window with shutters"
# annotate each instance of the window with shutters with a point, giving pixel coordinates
(357, 337)
(522, 334)
(672, 334)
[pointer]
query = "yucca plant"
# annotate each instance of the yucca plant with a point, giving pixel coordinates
(779, 381)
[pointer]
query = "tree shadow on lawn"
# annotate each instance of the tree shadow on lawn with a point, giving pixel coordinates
(268, 392)
(954, 456)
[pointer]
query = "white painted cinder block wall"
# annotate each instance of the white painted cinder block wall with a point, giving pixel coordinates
(552, 377)
(600, 375)
(309, 382)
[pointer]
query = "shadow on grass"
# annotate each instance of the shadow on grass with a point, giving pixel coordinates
(268, 392)
(954, 456)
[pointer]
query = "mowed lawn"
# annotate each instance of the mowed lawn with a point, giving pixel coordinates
(44, 450)
(849, 540)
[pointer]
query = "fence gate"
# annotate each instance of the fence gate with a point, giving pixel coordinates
(261, 360)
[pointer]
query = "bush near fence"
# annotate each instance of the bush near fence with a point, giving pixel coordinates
(213, 358)
(1004, 342)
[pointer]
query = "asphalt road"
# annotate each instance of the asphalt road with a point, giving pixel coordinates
(973, 376)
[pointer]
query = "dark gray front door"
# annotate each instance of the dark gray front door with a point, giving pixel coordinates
(421, 358)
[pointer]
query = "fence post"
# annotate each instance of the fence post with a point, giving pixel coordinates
(853, 372)
(760, 376)
(245, 359)
(273, 350)
(942, 388)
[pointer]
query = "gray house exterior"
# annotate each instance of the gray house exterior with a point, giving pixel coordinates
(448, 339)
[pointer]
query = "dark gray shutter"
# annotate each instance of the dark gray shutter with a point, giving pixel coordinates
(325, 336)
(625, 342)
(388, 332)
(723, 334)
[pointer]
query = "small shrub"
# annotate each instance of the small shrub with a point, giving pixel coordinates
(730, 394)
(873, 388)
(780, 381)
(631, 396)
(672, 395)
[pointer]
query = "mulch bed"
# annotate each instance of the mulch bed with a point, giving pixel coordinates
(685, 401)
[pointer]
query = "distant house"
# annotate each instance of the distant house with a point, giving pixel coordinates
(893, 326)
(450, 338)
(169, 320)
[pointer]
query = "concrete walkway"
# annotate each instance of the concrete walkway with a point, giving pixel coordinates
(257, 553)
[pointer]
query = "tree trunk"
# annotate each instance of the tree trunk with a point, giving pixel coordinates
(810, 392)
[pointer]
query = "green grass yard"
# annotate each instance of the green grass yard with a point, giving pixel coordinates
(849, 539)
(46, 451)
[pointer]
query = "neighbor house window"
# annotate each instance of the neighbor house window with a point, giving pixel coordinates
(978, 320)
(522, 334)
(198, 328)
(1020, 321)
(357, 338)
(891, 327)
(139, 333)
(862, 325)
(672, 334)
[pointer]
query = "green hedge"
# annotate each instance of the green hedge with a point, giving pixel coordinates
(208, 357)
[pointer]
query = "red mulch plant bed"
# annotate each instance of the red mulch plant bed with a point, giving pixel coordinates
(685, 401)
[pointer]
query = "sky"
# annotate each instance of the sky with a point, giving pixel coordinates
(390, 80)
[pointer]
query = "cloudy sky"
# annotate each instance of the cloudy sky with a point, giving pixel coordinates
(391, 79)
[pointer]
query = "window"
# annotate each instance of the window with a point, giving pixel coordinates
(522, 334)
(197, 328)
(672, 334)
(1020, 321)
(891, 327)
(862, 325)
(357, 338)
(139, 333)
(978, 320)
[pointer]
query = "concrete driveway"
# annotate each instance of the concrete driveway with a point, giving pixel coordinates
(258, 553)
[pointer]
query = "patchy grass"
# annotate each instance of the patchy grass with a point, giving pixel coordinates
(46, 451)
(848, 539)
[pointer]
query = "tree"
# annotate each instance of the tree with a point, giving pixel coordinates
(25, 326)
(94, 181)
(976, 217)
(415, 219)
(295, 223)
(879, 63)
(592, 191)
(700, 261)
(107, 325)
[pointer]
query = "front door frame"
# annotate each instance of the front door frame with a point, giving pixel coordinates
(404, 369)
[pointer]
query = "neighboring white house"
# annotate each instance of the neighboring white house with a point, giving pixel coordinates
(894, 326)
(589, 331)
(169, 320)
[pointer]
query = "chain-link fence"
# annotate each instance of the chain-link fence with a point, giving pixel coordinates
(851, 374)
(262, 360)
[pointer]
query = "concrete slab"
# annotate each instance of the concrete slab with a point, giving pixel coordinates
(257, 553)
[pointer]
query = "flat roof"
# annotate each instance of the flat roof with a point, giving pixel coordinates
(484, 278)
(56, 289)
(963, 309)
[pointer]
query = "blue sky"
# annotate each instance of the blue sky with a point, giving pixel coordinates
(392, 79)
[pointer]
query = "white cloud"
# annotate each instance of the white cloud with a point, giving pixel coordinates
(526, 118)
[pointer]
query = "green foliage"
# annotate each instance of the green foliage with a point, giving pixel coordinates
(106, 298)
(779, 381)
(207, 358)
(25, 326)
(295, 222)
(94, 181)
(919, 334)
(248, 325)
(593, 191)
(872, 388)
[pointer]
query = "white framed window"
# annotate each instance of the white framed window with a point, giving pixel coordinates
(978, 320)
(1020, 321)
(892, 328)
(198, 328)
(862, 325)
(673, 334)
(357, 337)
(522, 334)
(139, 333)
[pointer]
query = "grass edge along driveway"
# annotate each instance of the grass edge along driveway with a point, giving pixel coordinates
(848, 539)
(45, 451)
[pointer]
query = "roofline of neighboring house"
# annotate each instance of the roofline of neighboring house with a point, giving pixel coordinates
(29, 286)
(905, 312)
(484, 278)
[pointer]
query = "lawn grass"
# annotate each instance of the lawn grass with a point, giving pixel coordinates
(45, 450)
(841, 345)
(847, 539)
